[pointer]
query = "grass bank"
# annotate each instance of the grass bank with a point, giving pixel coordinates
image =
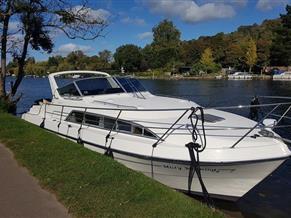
(90, 184)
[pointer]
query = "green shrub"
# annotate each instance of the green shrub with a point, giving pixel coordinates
(3, 105)
(7, 106)
(198, 67)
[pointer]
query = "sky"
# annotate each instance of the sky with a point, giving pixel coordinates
(131, 21)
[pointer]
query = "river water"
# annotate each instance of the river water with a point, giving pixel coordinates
(272, 197)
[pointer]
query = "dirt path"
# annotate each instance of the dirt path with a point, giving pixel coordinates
(20, 194)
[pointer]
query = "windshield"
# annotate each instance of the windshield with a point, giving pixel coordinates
(69, 90)
(130, 84)
(97, 86)
(101, 85)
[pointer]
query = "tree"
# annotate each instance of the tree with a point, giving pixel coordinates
(54, 61)
(207, 57)
(38, 19)
(95, 63)
(148, 58)
(166, 34)
(190, 51)
(77, 59)
(128, 56)
(264, 41)
(166, 43)
(281, 45)
(6, 11)
(235, 51)
(105, 56)
(263, 52)
(207, 61)
(251, 54)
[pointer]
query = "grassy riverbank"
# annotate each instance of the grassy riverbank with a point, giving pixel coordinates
(90, 184)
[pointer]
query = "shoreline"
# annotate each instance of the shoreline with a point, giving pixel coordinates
(259, 77)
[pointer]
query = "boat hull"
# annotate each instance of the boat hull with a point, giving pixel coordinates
(228, 181)
(240, 77)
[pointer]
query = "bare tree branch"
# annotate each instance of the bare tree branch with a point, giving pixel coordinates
(39, 18)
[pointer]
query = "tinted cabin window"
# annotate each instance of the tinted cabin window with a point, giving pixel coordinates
(131, 84)
(211, 118)
(123, 126)
(137, 85)
(92, 120)
(69, 90)
(108, 123)
(137, 130)
(75, 117)
(148, 133)
(98, 86)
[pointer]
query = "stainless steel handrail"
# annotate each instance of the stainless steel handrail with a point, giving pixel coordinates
(173, 109)
(258, 123)
(250, 129)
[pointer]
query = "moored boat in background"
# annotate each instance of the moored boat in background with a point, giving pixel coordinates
(283, 76)
(240, 76)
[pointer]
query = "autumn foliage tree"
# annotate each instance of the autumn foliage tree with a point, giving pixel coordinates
(207, 61)
(207, 57)
(251, 54)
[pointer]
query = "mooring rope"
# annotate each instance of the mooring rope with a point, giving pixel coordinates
(44, 117)
(195, 147)
(108, 151)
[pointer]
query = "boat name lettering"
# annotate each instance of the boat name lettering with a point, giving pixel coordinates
(206, 169)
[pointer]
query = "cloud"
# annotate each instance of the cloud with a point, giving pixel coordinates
(54, 33)
(239, 3)
(14, 26)
(69, 47)
(145, 35)
(135, 21)
(265, 5)
(92, 14)
(17, 37)
(189, 11)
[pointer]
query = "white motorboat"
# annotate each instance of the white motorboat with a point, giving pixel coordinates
(148, 133)
(283, 76)
(240, 76)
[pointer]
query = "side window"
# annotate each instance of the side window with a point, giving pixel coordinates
(137, 130)
(108, 123)
(124, 126)
(68, 90)
(92, 120)
(75, 117)
(148, 134)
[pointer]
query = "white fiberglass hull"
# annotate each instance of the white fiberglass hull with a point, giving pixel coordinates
(240, 77)
(282, 77)
(227, 181)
